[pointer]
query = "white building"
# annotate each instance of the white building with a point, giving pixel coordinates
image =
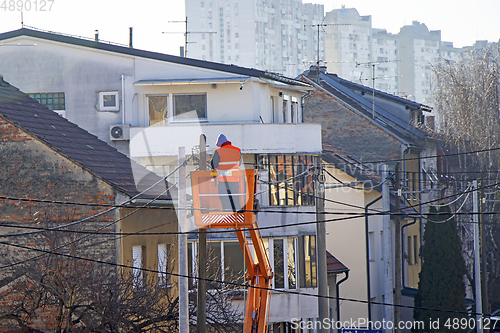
(148, 104)
(418, 50)
(274, 35)
(385, 61)
(348, 44)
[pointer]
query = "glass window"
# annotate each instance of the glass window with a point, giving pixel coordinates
(290, 183)
(163, 265)
(54, 101)
(415, 250)
(138, 253)
(157, 107)
(214, 271)
(189, 107)
(292, 277)
(279, 274)
(233, 262)
(307, 261)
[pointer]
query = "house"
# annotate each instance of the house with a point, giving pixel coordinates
(67, 193)
(147, 105)
(363, 129)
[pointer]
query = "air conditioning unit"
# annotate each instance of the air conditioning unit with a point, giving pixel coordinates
(119, 132)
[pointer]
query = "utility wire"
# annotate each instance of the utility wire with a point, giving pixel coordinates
(352, 216)
(227, 282)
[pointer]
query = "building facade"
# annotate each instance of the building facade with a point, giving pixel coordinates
(278, 36)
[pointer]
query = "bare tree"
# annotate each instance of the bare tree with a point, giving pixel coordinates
(467, 102)
(65, 293)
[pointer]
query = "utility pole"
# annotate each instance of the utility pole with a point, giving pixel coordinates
(202, 253)
(388, 259)
(397, 251)
(319, 190)
(484, 276)
(477, 264)
(183, 254)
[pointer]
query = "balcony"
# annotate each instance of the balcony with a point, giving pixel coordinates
(254, 138)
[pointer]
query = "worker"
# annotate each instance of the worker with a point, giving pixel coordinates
(226, 159)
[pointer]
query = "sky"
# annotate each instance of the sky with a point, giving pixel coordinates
(461, 22)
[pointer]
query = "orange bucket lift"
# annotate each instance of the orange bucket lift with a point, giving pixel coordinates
(209, 214)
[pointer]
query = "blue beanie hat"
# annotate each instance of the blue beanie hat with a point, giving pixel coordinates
(221, 140)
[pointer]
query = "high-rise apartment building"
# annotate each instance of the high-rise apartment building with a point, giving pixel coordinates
(418, 50)
(385, 65)
(399, 64)
(274, 35)
(348, 44)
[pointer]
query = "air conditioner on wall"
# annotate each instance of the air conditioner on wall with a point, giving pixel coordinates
(119, 132)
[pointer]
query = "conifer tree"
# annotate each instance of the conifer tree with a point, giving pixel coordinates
(441, 284)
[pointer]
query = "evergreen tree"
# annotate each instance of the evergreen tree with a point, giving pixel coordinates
(441, 279)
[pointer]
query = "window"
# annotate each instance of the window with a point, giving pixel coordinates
(371, 246)
(138, 263)
(108, 101)
(307, 261)
(163, 266)
(415, 250)
(409, 252)
(157, 108)
(278, 255)
(54, 101)
(190, 107)
(290, 183)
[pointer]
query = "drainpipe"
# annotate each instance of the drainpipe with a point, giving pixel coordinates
(408, 148)
(123, 98)
(302, 99)
(368, 276)
(337, 289)
(402, 242)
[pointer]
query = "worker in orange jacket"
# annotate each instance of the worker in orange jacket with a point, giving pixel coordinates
(226, 159)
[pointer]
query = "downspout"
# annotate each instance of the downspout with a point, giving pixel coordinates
(402, 257)
(368, 276)
(302, 103)
(337, 290)
(123, 98)
(408, 148)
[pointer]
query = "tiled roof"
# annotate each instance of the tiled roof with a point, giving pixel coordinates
(333, 265)
(79, 41)
(342, 91)
(350, 165)
(76, 144)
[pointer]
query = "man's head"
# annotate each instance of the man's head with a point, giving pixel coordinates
(221, 140)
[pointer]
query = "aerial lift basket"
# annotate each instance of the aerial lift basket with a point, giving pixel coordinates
(208, 211)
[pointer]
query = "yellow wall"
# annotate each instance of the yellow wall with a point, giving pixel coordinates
(153, 221)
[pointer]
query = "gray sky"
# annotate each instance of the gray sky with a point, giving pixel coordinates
(461, 22)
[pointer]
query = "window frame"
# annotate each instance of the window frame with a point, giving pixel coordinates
(138, 265)
(175, 118)
(102, 107)
(40, 99)
(165, 117)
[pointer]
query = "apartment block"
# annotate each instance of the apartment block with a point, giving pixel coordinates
(278, 35)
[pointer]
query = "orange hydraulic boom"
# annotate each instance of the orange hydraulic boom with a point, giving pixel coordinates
(208, 213)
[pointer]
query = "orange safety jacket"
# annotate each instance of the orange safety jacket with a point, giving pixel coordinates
(229, 160)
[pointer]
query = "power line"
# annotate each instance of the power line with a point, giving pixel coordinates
(225, 282)
(352, 216)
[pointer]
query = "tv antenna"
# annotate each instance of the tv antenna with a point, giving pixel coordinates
(318, 26)
(373, 78)
(186, 33)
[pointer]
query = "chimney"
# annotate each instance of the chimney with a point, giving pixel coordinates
(314, 72)
(130, 37)
(97, 35)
